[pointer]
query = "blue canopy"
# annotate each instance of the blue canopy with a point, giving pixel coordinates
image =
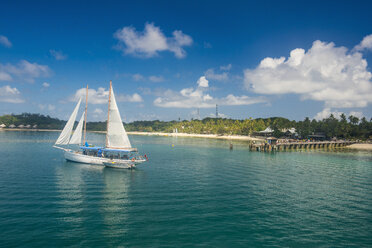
(91, 148)
(116, 150)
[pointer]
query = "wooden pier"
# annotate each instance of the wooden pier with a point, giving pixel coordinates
(265, 147)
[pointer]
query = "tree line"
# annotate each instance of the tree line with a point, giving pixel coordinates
(344, 127)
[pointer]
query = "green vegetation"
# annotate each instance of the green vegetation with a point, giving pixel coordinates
(344, 128)
(42, 121)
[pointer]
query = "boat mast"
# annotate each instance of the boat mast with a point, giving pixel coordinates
(108, 114)
(85, 118)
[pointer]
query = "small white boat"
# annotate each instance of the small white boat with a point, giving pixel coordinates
(118, 148)
(118, 165)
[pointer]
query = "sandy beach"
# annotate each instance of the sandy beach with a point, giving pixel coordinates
(360, 147)
(209, 136)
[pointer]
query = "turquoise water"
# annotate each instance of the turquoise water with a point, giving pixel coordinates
(197, 193)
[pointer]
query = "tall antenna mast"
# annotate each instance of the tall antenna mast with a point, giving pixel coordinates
(85, 118)
(216, 111)
(198, 114)
(108, 113)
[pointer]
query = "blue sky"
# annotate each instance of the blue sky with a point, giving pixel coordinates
(166, 59)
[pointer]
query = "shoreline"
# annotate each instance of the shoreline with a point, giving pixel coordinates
(358, 146)
(209, 136)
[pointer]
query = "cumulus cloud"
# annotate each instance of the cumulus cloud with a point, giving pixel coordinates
(156, 79)
(98, 111)
(325, 113)
(323, 73)
(129, 98)
(225, 67)
(46, 85)
(58, 55)
(49, 107)
(199, 98)
(5, 41)
(24, 70)
(212, 75)
(100, 96)
(151, 41)
(366, 43)
(202, 82)
(221, 75)
(5, 76)
(10, 95)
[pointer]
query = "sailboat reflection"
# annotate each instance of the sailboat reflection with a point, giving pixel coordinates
(116, 201)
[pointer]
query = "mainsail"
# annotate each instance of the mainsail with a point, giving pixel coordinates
(65, 135)
(76, 137)
(116, 135)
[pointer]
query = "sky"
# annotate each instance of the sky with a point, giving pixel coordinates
(167, 59)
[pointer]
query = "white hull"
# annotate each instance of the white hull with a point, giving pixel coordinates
(120, 166)
(81, 158)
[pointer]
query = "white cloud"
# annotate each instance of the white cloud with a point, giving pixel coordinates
(24, 70)
(202, 82)
(156, 79)
(212, 75)
(223, 75)
(100, 96)
(46, 85)
(366, 43)
(151, 41)
(225, 67)
(58, 55)
(325, 113)
(220, 115)
(129, 98)
(324, 73)
(5, 76)
(50, 107)
(9, 94)
(5, 41)
(357, 114)
(199, 98)
(137, 77)
(98, 111)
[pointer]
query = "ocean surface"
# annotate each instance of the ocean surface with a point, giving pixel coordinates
(192, 192)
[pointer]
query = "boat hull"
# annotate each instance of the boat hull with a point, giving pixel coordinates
(119, 166)
(81, 158)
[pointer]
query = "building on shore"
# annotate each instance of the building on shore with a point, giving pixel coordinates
(290, 133)
(12, 126)
(21, 126)
(2, 126)
(266, 133)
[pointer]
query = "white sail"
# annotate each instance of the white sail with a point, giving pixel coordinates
(116, 135)
(65, 135)
(76, 137)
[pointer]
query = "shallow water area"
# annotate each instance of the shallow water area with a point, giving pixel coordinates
(192, 192)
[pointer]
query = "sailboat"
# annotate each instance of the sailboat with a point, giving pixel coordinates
(117, 152)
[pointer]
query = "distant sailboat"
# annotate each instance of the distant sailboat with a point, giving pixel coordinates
(118, 151)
